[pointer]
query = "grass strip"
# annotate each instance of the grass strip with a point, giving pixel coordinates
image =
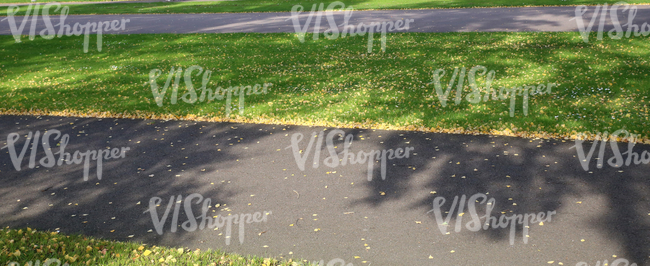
(241, 6)
(601, 85)
(29, 245)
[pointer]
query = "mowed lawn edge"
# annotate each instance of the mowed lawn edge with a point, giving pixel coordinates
(248, 6)
(600, 85)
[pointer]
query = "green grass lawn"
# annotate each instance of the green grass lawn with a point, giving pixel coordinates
(286, 5)
(602, 85)
(27, 245)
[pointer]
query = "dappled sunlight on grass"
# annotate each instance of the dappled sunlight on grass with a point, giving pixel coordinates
(29, 245)
(337, 83)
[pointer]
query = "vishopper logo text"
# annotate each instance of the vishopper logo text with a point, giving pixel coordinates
(616, 262)
(191, 97)
(77, 29)
(206, 221)
(475, 95)
(475, 224)
(49, 160)
(47, 262)
(334, 262)
(584, 32)
(617, 160)
(333, 32)
(333, 160)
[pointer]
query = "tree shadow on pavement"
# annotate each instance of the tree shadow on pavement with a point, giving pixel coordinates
(536, 175)
(165, 158)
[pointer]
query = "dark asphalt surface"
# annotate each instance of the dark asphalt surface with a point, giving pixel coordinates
(326, 213)
(437, 20)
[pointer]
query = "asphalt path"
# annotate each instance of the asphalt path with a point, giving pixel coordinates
(548, 19)
(324, 213)
(110, 2)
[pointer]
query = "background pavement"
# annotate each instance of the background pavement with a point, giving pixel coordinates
(433, 20)
(111, 2)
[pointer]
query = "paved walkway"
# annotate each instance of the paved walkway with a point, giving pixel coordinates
(110, 2)
(439, 20)
(327, 213)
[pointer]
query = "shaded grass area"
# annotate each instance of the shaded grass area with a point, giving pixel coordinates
(28, 245)
(286, 5)
(602, 85)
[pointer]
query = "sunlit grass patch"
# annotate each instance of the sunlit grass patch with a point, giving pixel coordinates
(28, 245)
(602, 85)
